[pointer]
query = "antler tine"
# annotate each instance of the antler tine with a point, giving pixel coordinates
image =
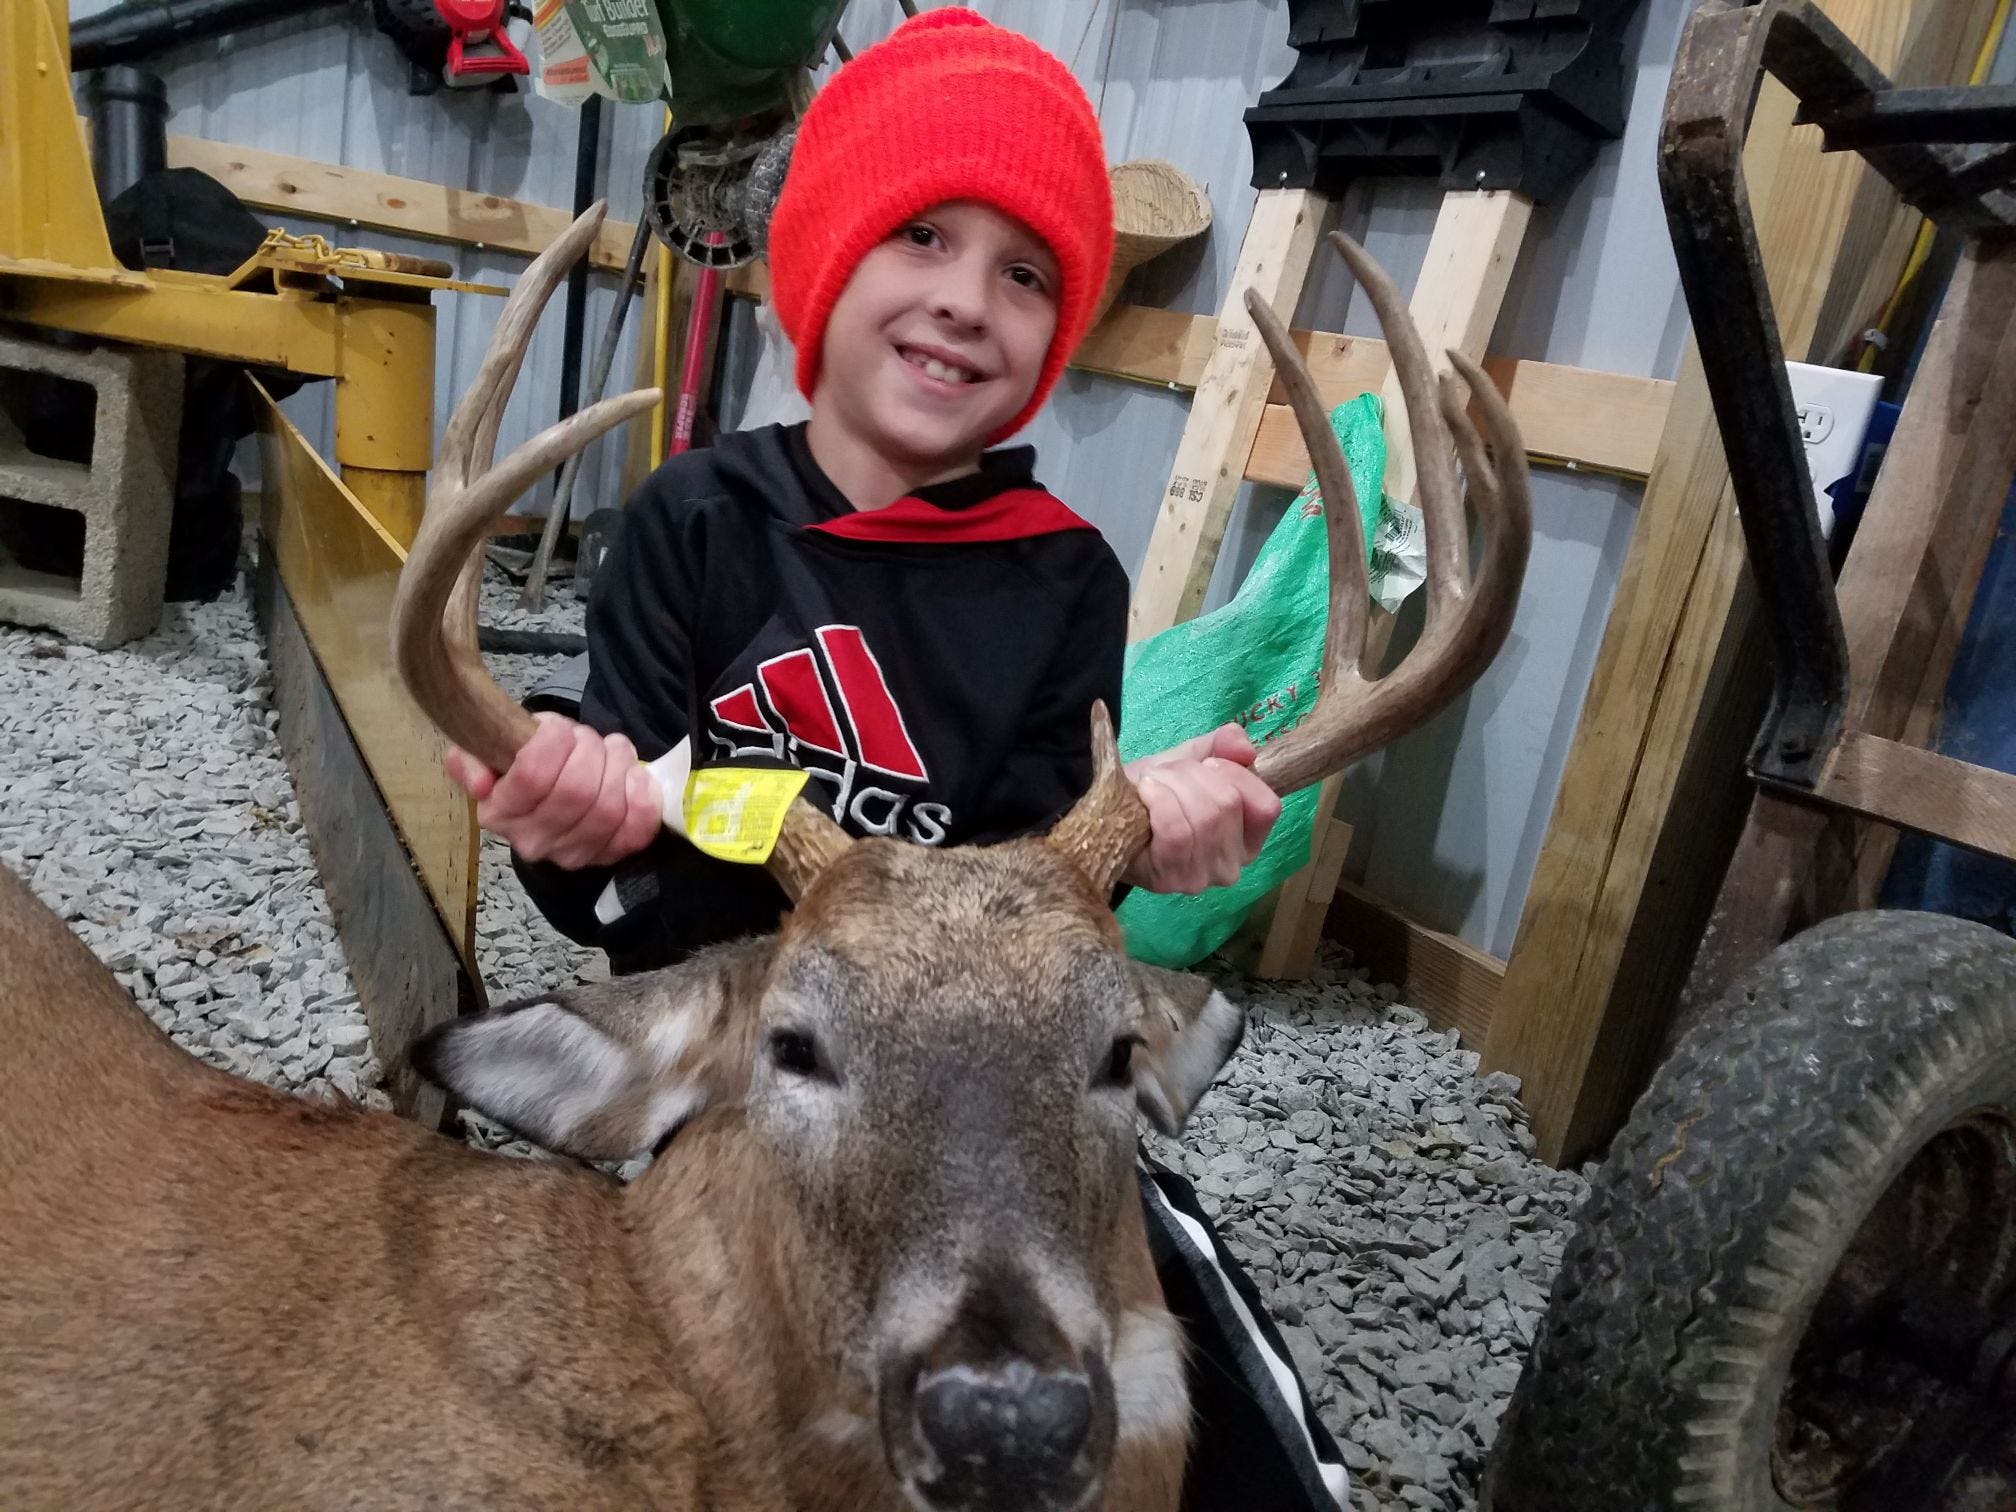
(1108, 827)
(470, 439)
(1504, 490)
(1459, 642)
(437, 660)
(443, 672)
(1344, 530)
(1467, 622)
(432, 610)
(483, 445)
(1441, 496)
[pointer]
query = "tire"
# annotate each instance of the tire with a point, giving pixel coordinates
(1725, 1206)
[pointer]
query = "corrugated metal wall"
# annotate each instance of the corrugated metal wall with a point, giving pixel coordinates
(1450, 820)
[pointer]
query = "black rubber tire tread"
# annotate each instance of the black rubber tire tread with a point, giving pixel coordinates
(1718, 1216)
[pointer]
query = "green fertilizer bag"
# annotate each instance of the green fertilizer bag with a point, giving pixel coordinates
(1255, 662)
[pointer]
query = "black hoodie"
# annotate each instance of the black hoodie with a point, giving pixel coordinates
(932, 664)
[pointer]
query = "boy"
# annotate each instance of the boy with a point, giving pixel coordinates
(880, 599)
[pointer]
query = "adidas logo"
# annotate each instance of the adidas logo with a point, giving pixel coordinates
(827, 709)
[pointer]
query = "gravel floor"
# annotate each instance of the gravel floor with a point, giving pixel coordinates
(1383, 1196)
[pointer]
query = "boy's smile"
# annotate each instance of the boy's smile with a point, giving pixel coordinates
(940, 366)
(934, 344)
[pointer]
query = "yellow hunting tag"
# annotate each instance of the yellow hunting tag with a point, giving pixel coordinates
(735, 813)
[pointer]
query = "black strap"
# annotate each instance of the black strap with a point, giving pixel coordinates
(156, 221)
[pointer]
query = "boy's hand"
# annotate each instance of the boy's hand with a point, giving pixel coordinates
(1208, 813)
(571, 796)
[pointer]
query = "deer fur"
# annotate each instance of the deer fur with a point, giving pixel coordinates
(216, 1295)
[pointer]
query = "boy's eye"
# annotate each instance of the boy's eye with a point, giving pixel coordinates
(919, 235)
(1027, 276)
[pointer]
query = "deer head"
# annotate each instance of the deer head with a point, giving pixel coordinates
(935, 1064)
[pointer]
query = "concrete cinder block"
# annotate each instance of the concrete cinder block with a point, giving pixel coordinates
(126, 493)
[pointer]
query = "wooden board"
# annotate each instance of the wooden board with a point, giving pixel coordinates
(1579, 1017)
(1937, 507)
(1455, 983)
(1143, 345)
(1573, 417)
(1456, 301)
(1294, 929)
(340, 568)
(1224, 414)
(408, 973)
(1569, 416)
(1455, 305)
(1922, 790)
(1937, 502)
(413, 207)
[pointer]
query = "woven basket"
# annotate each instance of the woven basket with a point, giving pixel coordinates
(1155, 206)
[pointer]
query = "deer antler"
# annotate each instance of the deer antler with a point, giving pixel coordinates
(433, 619)
(1467, 619)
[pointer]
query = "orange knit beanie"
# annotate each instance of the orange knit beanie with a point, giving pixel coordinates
(948, 107)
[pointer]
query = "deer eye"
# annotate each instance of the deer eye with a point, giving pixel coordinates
(1120, 1061)
(794, 1052)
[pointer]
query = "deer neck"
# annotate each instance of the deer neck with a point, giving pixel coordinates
(718, 1250)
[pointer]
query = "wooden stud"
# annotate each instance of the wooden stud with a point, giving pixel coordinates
(1578, 1016)
(1574, 417)
(1937, 505)
(414, 207)
(1224, 414)
(1454, 983)
(1144, 345)
(1456, 301)
(1571, 417)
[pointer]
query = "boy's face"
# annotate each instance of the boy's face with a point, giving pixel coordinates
(938, 339)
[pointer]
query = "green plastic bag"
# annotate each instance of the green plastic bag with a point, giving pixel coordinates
(1254, 662)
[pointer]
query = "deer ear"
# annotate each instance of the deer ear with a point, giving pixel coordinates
(1189, 1030)
(606, 1071)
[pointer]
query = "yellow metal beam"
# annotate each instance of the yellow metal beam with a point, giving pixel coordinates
(191, 313)
(48, 210)
(340, 567)
(379, 351)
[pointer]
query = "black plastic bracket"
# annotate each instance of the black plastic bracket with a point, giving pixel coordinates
(1480, 94)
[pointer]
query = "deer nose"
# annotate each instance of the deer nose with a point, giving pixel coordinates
(1012, 1436)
